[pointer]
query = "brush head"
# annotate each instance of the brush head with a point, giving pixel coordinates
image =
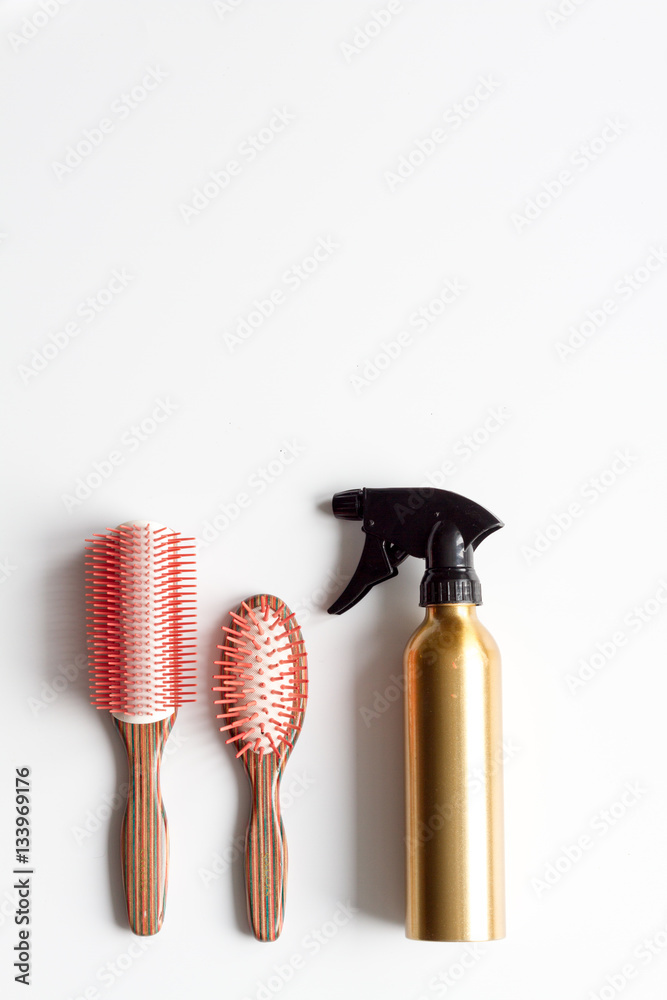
(140, 593)
(264, 679)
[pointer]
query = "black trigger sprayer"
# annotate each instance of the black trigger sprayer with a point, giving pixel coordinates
(453, 725)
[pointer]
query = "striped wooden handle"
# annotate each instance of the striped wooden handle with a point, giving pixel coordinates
(266, 847)
(144, 838)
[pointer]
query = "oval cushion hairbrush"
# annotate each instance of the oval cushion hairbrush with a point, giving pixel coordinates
(140, 599)
(263, 692)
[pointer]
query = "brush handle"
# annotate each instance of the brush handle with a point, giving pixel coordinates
(144, 838)
(265, 847)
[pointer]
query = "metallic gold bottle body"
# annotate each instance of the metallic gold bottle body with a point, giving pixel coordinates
(454, 793)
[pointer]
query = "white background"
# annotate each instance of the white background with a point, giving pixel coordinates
(360, 98)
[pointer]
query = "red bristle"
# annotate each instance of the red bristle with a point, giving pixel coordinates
(263, 692)
(235, 739)
(232, 725)
(252, 616)
(140, 600)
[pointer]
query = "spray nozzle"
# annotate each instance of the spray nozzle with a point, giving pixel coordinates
(349, 505)
(441, 527)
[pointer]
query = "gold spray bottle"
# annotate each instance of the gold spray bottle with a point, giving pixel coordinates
(453, 725)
